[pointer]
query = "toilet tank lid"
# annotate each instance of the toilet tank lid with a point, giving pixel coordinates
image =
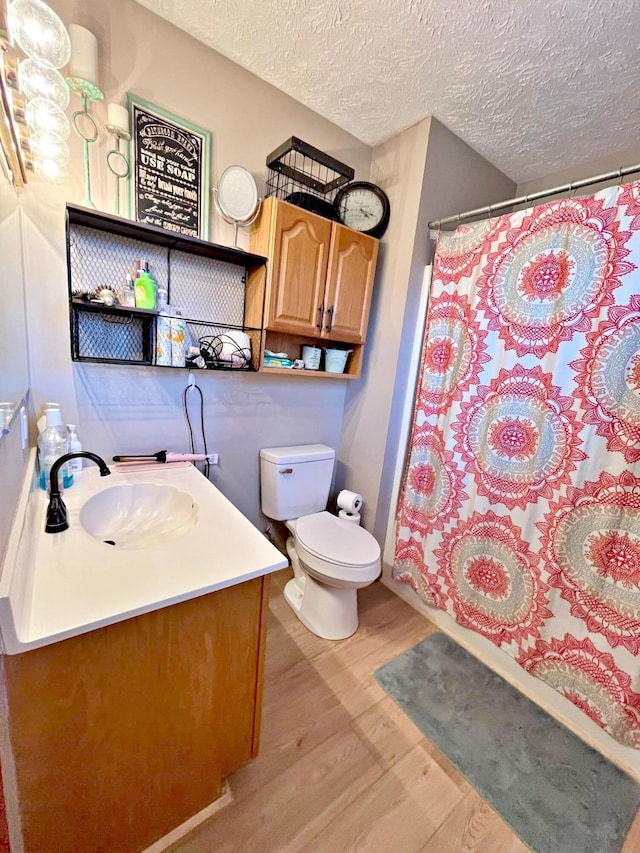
(297, 453)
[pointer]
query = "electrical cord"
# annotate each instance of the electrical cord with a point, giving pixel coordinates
(207, 465)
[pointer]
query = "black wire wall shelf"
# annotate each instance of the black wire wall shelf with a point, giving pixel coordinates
(205, 282)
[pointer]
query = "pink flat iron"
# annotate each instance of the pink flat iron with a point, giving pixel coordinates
(164, 456)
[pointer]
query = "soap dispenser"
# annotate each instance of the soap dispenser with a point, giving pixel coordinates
(53, 442)
(145, 287)
(75, 445)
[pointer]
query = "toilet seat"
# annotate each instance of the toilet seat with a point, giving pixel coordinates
(337, 540)
(337, 548)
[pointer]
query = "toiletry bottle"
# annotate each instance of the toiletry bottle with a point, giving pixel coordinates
(145, 288)
(53, 442)
(6, 413)
(42, 420)
(162, 299)
(75, 445)
(128, 298)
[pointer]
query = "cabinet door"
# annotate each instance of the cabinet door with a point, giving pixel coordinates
(352, 269)
(299, 271)
(124, 733)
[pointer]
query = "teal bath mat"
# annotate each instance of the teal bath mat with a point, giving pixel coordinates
(558, 794)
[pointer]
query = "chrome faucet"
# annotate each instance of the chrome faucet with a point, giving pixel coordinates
(57, 511)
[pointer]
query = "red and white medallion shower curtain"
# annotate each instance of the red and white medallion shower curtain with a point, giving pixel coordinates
(519, 512)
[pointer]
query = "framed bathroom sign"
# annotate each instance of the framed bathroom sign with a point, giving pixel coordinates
(169, 176)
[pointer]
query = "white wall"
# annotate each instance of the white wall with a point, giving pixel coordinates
(398, 167)
(588, 169)
(121, 408)
(428, 173)
(14, 364)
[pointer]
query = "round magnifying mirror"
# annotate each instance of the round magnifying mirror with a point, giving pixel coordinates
(237, 194)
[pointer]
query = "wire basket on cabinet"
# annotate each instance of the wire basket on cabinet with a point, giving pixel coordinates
(305, 176)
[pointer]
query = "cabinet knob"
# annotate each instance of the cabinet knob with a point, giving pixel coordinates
(285, 471)
(330, 323)
(321, 317)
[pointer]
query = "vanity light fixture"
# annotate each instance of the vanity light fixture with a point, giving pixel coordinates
(39, 32)
(14, 135)
(40, 80)
(33, 93)
(43, 116)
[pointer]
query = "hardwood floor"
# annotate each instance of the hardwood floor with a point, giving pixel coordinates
(341, 768)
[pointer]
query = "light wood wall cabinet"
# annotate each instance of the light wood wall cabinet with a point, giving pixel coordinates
(120, 735)
(320, 281)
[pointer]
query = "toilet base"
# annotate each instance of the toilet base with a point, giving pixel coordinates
(328, 612)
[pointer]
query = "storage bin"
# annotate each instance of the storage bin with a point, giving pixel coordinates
(335, 360)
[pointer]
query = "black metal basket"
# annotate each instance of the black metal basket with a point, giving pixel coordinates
(305, 176)
(222, 351)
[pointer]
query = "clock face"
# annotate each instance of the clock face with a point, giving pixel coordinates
(362, 210)
(363, 207)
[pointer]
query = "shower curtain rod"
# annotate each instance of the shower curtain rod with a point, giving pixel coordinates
(524, 199)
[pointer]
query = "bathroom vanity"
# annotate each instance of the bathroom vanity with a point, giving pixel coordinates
(132, 676)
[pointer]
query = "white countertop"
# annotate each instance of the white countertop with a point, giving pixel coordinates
(55, 586)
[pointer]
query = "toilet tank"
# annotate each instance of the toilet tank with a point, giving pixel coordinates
(295, 480)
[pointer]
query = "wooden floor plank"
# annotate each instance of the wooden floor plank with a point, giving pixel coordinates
(632, 841)
(336, 702)
(474, 827)
(400, 811)
(294, 807)
(381, 620)
(388, 732)
(341, 767)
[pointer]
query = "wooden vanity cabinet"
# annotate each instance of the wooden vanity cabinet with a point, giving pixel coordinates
(320, 278)
(120, 735)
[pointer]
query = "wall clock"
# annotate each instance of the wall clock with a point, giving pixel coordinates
(363, 207)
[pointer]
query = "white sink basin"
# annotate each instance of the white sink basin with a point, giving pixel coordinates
(138, 515)
(177, 537)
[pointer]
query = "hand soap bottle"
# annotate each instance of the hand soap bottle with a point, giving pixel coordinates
(145, 288)
(75, 446)
(53, 442)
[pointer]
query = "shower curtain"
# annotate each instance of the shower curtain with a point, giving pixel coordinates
(519, 512)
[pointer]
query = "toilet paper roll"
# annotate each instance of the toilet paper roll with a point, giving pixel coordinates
(350, 516)
(351, 501)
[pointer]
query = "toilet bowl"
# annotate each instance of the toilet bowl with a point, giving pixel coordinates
(332, 559)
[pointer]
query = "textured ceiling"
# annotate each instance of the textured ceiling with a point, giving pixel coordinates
(533, 86)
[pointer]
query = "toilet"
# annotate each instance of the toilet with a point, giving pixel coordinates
(332, 558)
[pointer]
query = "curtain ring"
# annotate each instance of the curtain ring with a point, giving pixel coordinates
(620, 176)
(571, 190)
